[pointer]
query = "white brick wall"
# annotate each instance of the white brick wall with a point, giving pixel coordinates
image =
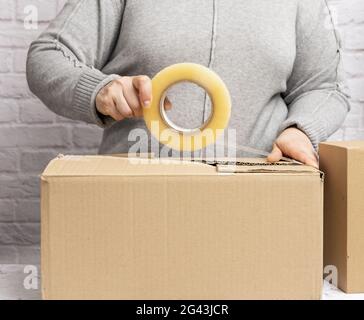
(30, 135)
(349, 16)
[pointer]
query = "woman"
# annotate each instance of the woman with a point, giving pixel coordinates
(280, 60)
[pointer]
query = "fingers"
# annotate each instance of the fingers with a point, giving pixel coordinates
(312, 162)
(275, 155)
(167, 104)
(130, 97)
(134, 103)
(108, 107)
(105, 103)
(121, 104)
(124, 97)
(143, 85)
(306, 157)
(295, 144)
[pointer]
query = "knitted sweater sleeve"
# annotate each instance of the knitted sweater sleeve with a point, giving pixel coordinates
(64, 63)
(316, 93)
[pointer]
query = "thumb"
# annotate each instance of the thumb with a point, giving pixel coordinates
(143, 85)
(275, 155)
(167, 104)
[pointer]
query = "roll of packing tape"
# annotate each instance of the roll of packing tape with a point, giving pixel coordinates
(174, 136)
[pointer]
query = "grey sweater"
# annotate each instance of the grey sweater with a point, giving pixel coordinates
(280, 60)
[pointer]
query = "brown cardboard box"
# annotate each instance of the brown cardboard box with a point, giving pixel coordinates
(116, 229)
(343, 164)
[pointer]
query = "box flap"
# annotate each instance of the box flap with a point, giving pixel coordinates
(267, 168)
(122, 166)
(259, 165)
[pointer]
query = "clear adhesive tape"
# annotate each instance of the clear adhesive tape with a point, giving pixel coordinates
(182, 139)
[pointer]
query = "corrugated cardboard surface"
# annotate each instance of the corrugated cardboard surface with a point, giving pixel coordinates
(343, 164)
(112, 229)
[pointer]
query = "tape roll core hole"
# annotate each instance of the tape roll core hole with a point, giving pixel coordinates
(197, 121)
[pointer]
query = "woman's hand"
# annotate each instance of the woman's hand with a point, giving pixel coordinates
(295, 144)
(125, 97)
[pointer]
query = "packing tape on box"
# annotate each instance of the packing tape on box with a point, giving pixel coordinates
(170, 134)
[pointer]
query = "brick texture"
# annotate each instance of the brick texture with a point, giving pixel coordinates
(30, 135)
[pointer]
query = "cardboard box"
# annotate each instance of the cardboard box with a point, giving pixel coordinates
(116, 229)
(343, 164)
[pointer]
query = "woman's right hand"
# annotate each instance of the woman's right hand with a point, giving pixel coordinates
(125, 97)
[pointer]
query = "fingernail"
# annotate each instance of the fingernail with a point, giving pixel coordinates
(146, 103)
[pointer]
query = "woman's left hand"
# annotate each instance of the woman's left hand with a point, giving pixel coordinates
(294, 143)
